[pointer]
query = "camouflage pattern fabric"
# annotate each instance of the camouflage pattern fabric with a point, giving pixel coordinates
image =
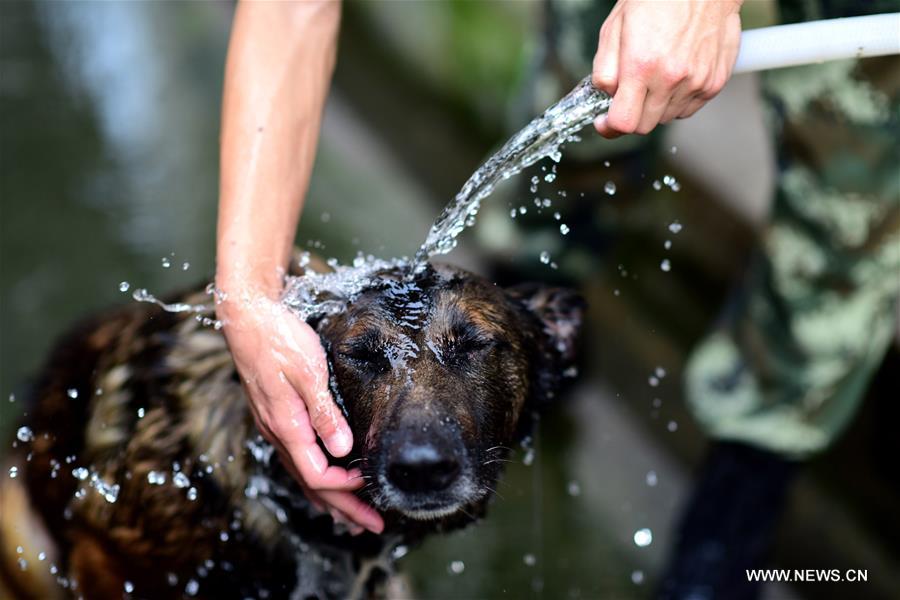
(788, 367)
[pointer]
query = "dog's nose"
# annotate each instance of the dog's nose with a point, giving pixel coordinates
(422, 467)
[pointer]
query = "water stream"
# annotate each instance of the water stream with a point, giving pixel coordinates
(314, 294)
(543, 137)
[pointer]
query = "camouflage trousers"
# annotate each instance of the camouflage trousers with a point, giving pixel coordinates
(788, 367)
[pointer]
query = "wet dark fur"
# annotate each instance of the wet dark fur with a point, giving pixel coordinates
(484, 359)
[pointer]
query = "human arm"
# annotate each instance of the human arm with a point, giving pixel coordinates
(662, 60)
(280, 60)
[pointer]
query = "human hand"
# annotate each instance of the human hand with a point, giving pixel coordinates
(663, 60)
(285, 374)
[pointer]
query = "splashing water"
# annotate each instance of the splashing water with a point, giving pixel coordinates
(541, 138)
(316, 294)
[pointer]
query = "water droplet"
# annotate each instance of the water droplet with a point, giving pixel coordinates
(141, 412)
(185, 266)
(181, 480)
(23, 564)
(674, 149)
(606, 163)
(574, 488)
(156, 478)
(123, 286)
(643, 537)
(223, 536)
(660, 372)
(192, 494)
(513, 213)
(668, 180)
(674, 226)
(522, 210)
(653, 381)
(528, 458)
(651, 478)
(610, 188)
(667, 244)
(529, 559)
(42, 556)
(72, 393)
(534, 184)
(12, 398)
(80, 473)
(166, 263)
(637, 577)
(657, 185)
(24, 434)
(564, 229)
(192, 587)
(665, 265)
(557, 216)
(545, 257)
(129, 587)
(672, 426)
(326, 217)
(400, 551)
(457, 567)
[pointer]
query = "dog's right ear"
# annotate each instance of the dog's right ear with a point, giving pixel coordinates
(560, 312)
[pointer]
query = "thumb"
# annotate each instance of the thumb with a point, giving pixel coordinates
(311, 383)
(605, 71)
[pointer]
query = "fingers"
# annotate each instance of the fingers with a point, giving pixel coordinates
(625, 112)
(309, 464)
(663, 61)
(353, 509)
(311, 383)
(605, 72)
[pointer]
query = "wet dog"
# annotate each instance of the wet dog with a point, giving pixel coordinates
(139, 471)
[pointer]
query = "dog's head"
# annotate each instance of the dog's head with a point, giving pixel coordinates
(437, 375)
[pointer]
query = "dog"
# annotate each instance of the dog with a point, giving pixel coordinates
(139, 471)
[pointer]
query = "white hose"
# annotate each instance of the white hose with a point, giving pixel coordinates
(818, 41)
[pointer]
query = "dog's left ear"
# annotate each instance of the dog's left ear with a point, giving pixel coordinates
(560, 312)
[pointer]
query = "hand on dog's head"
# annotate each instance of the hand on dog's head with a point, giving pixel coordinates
(437, 376)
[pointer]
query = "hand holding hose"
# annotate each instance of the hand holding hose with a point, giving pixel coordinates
(663, 60)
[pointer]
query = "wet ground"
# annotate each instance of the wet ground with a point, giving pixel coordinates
(109, 117)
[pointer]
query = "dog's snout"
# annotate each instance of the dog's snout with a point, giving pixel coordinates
(423, 467)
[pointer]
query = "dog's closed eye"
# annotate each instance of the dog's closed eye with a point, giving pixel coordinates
(366, 352)
(463, 343)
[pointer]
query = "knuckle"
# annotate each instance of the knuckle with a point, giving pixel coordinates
(622, 123)
(674, 73)
(602, 81)
(697, 81)
(323, 422)
(645, 67)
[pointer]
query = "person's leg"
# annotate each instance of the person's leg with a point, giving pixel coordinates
(784, 373)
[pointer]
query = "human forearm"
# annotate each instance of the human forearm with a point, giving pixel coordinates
(278, 71)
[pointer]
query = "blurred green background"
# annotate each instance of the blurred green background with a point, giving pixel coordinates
(108, 165)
